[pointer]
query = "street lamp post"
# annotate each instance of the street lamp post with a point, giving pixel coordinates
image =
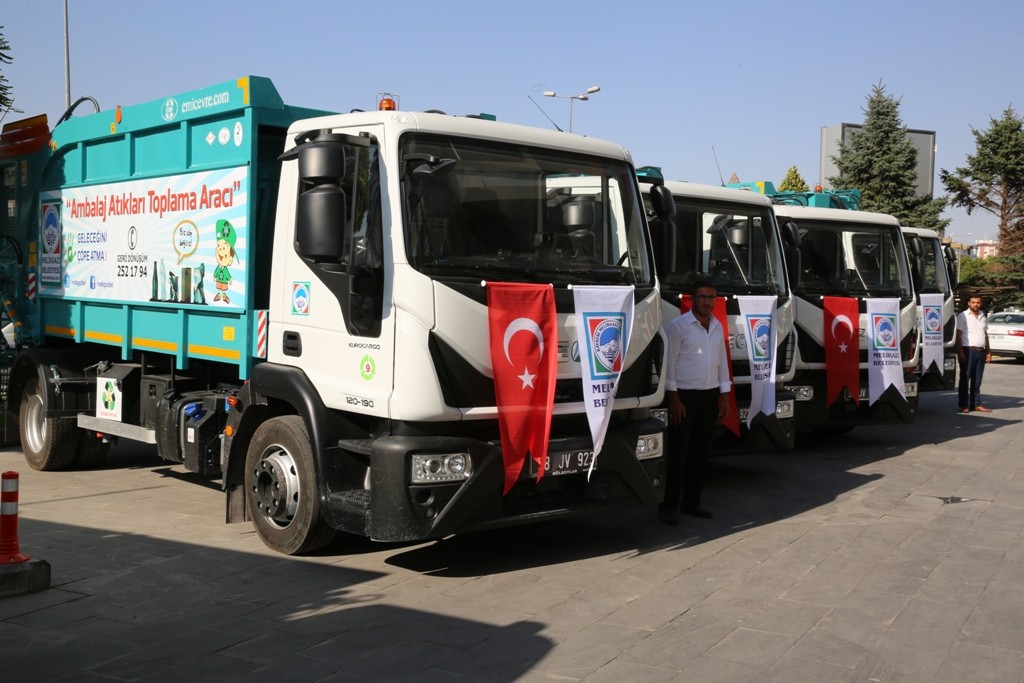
(67, 61)
(582, 97)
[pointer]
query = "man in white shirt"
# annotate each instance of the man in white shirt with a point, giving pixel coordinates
(973, 351)
(697, 384)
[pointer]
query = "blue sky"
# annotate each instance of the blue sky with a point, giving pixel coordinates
(756, 81)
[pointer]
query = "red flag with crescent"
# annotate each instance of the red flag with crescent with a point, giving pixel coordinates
(842, 348)
(732, 422)
(523, 327)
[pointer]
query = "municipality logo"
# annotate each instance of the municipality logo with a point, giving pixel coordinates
(932, 320)
(51, 229)
(759, 335)
(884, 327)
(604, 332)
(300, 298)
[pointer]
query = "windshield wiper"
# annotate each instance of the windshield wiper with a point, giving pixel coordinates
(895, 291)
(480, 269)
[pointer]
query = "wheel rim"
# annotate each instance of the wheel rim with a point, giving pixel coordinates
(275, 486)
(34, 429)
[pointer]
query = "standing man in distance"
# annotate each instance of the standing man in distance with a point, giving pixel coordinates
(973, 351)
(697, 383)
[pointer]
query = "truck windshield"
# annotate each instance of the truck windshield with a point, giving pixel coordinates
(480, 209)
(735, 247)
(852, 259)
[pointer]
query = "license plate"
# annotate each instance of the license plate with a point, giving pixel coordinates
(565, 462)
(995, 336)
(863, 393)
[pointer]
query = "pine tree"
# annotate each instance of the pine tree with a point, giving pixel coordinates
(793, 182)
(993, 179)
(880, 161)
(6, 99)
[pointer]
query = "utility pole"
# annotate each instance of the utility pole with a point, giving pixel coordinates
(67, 61)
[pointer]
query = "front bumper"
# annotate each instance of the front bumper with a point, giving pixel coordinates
(890, 408)
(402, 511)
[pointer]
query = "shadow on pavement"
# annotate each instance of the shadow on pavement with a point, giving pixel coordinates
(132, 607)
(745, 490)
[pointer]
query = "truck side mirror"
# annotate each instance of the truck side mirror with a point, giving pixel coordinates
(791, 234)
(916, 247)
(790, 249)
(322, 205)
(321, 215)
(663, 230)
(952, 265)
(662, 201)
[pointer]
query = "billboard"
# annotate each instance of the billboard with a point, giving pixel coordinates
(923, 141)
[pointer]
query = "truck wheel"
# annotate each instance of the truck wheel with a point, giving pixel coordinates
(50, 443)
(280, 482)
(92, 450)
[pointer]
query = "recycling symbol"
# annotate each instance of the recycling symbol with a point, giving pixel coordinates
(109, 396)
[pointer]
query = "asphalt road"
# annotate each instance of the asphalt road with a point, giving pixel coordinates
(889, 554)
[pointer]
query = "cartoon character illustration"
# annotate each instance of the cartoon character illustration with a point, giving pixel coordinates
(225, 257)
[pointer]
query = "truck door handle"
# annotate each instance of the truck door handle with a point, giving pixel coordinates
(292, 344)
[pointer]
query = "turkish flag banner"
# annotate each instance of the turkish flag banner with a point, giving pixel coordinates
(732, 421)
(523, 326)
(841, 338)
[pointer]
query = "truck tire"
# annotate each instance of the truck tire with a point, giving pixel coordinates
(91, 452)
(49, 443)
(281, 488)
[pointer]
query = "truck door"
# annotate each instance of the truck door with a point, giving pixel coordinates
(331, 312)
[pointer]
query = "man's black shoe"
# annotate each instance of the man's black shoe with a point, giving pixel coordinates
(698, 512)
(666, 517)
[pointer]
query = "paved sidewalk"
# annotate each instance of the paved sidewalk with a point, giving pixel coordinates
(889, 554)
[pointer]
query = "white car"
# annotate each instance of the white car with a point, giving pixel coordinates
(1006, 334)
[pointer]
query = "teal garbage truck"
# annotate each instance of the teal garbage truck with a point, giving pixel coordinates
(298, 303)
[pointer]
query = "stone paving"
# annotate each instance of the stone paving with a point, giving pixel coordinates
(889, 554)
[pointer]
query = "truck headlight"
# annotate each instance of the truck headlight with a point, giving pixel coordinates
(784, 409)
(802, 393)
(950, 363)
(429, 468)
(910, 389)
(649, 446)
(660, 414)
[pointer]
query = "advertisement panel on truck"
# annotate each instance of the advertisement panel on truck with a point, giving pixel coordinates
(178, 239)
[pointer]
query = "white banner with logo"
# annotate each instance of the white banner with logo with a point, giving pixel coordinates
(883, 338)
(931, 326)
(604, 323)
(760, 327)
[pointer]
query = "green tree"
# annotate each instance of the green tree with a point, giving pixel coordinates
(1002, 276)
(971, 270)
(6, 98)
(793, 182)
(993, 179)
(880, 161)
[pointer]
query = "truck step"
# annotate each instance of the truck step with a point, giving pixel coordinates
(352, 498)
(361, 446)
